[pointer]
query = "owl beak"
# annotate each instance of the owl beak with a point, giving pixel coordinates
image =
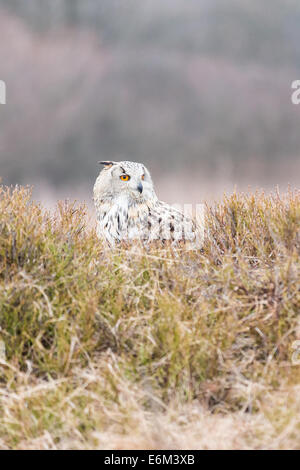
(140, 188)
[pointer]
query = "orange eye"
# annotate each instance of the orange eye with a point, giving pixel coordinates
(143, 177)
(125, 177)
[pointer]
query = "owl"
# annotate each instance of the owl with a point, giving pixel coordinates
(128, 209)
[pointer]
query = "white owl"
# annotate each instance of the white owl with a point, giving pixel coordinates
(128, 209)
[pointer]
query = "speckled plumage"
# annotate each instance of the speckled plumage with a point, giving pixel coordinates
(130, 210)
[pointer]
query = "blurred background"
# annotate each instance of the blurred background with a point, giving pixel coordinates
(198, 90)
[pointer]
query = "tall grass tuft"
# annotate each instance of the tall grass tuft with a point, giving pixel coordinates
(133, 348)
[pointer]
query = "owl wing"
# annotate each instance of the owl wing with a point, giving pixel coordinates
(171, 224)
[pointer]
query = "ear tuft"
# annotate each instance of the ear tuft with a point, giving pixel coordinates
(106, 163)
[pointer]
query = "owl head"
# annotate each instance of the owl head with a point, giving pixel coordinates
(130, 179)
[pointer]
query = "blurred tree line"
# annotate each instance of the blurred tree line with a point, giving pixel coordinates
(175, 83)
(266, 32)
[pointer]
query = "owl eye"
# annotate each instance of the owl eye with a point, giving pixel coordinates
(125, 177)
(143, 177)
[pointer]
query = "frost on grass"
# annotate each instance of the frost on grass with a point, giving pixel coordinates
(150, 349)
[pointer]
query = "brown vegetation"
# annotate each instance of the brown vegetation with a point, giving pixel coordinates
(144, 348)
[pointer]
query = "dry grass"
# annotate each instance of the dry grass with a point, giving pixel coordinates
(147, 349)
